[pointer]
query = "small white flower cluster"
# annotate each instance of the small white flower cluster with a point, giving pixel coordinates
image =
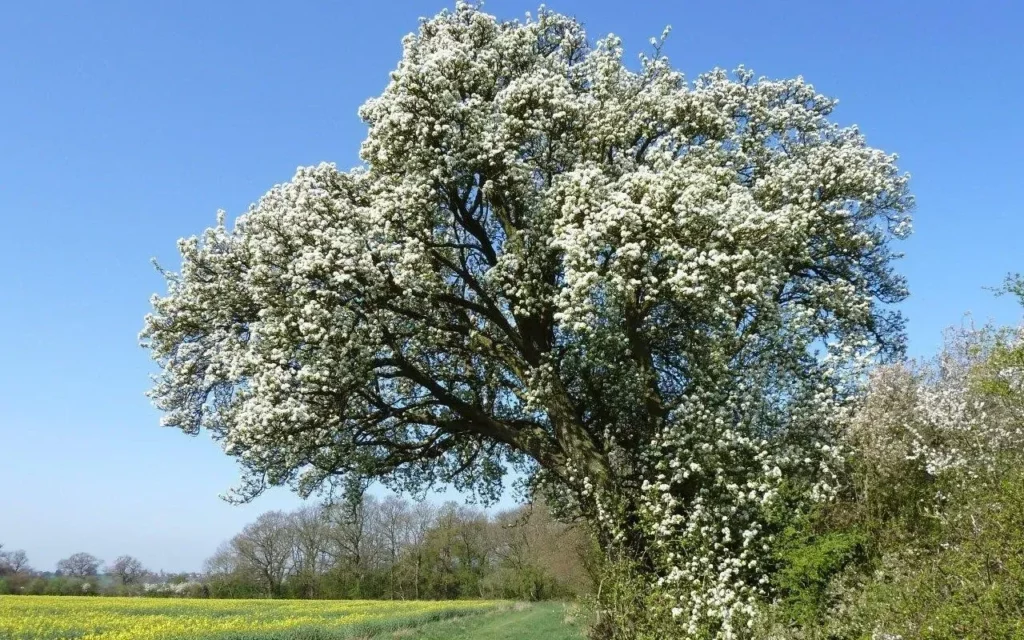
(174, 589)
(721, 465)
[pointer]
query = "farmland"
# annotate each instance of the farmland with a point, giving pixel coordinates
(53, 618)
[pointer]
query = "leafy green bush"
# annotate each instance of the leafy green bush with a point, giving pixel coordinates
(972, 584)
(925, 540)
(808, 564)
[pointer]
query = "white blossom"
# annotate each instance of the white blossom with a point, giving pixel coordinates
(655, 295)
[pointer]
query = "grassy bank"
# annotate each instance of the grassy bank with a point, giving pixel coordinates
(543, 621)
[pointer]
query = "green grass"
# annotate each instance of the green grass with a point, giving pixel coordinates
(545, 621)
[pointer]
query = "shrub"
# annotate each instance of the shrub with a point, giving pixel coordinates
(808, 565)
(972, 583)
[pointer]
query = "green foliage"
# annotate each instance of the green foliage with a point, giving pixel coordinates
(926, 540)
(524, 584)
(617, 604)
(808, 563)
(69, 586)
(971, 585)
(233, 586)
(1014, 284)
(962, 578)
(36, 587)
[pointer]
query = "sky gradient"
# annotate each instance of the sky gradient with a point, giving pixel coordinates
(126, 125)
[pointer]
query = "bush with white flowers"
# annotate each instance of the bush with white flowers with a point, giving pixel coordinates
(937, 416)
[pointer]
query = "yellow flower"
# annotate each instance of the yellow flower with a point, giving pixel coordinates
(85, 618)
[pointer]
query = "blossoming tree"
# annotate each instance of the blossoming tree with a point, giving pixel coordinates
(647, 294)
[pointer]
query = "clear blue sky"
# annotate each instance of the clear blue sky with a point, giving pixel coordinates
(125, 125)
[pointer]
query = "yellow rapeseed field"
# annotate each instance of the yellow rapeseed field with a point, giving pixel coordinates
(97, 618)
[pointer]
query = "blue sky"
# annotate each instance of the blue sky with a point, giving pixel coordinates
(125, 125)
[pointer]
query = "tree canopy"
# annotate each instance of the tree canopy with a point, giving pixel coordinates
(650, 295)
(79, 565)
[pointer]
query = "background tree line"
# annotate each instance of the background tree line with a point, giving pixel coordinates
(358, 548)
(395, 549)
(81, 574)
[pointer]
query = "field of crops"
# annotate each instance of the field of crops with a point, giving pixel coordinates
(85, 618)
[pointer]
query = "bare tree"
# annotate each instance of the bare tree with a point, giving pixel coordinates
(393, 520)
(529, 541)
(225, 560)
(80, 565)
(512, 533)
(352, 538)
(127, 569)
(266, 546)
(394, 549)
(17, 562)
(473, 545)
(13, 562)
(311, 539)
(422, 519)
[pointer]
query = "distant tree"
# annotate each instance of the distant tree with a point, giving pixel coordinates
(544, 557)
(393, 521)
(392, 549)
(472, 549)
(266, 546)
(354, 540)
(13, 562)
(80, 565)
(422, 518)
(311, 539)
(229, 576)
(127, 569)
(224, 561)
(17, 562)
(443, 554)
